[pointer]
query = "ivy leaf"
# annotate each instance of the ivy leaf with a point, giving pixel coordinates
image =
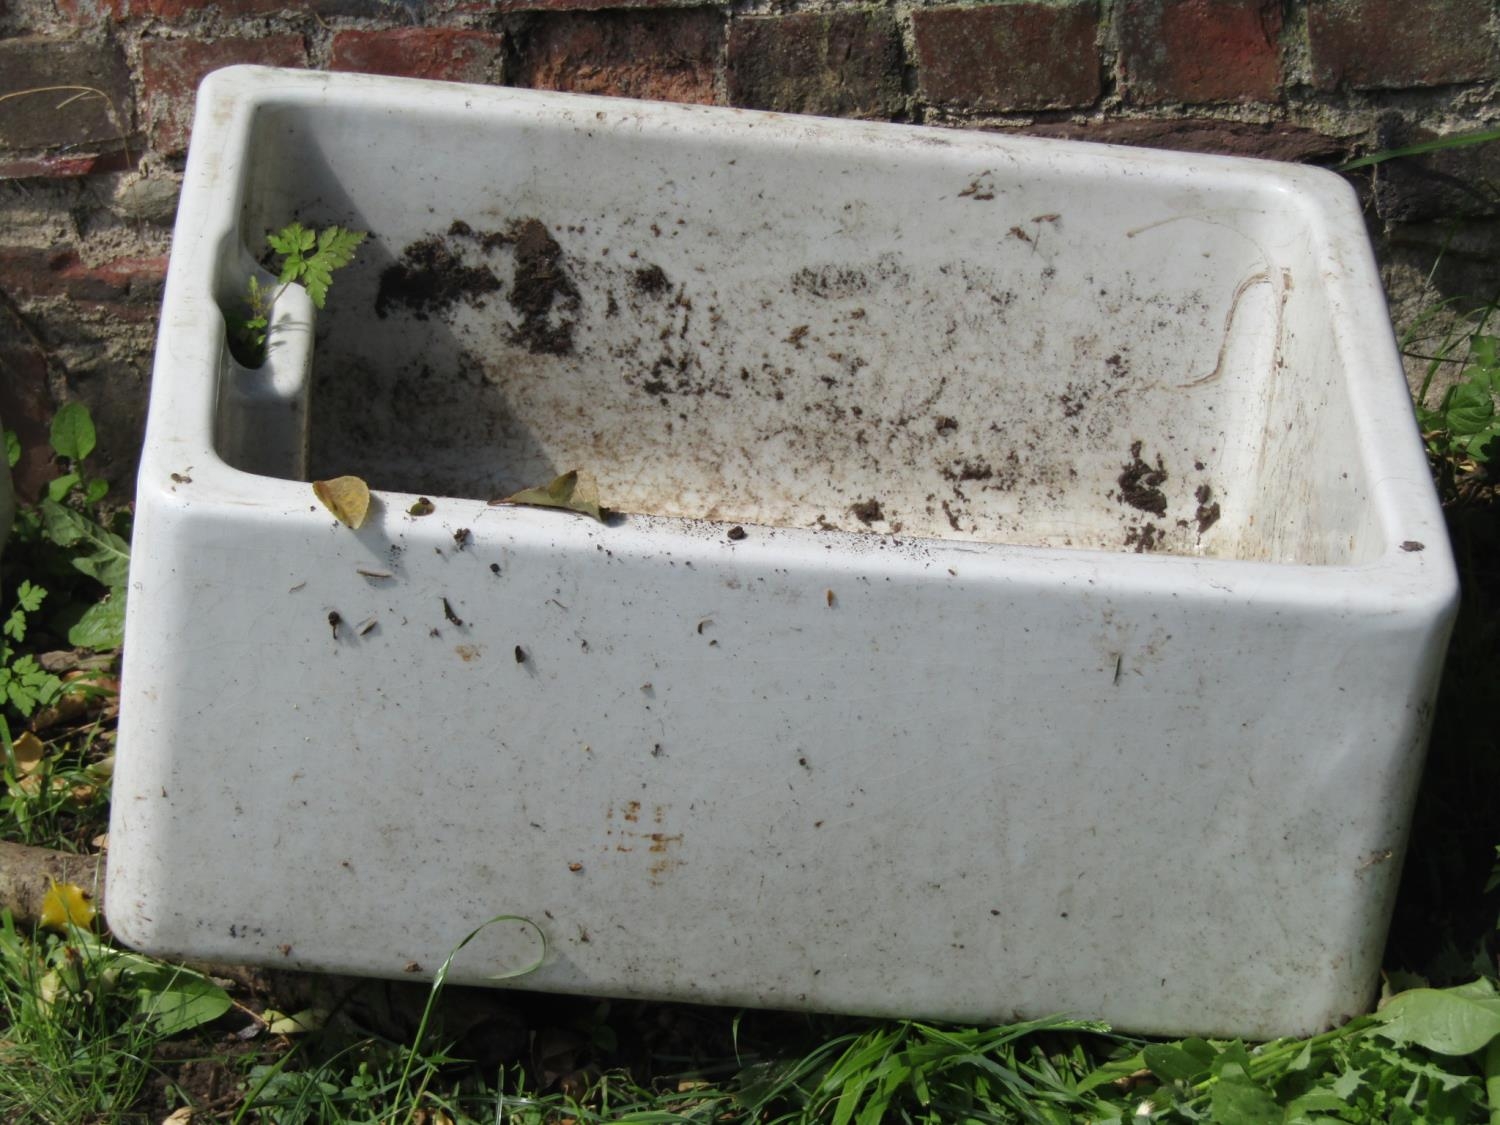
(73, 434)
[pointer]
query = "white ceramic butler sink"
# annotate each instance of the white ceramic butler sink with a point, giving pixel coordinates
(1026, 594)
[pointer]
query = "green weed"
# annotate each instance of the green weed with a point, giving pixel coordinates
(81, 1022)
(305, 257)
(64, 577)
(1461, 426)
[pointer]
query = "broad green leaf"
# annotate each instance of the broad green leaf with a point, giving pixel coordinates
(57, 489)
(1452, 1021)
(1482, 352)
(107, 559)
(94, 491)
(1233, 1059)
(1171, 1063)
(102, 625)
(12, 448)
(1470, 409)
(62, 525)
(174, 999)
(574, 491)
(1238, 1101)
(1347, 1084)
(1302, 1061)
(1201, 1049)
(1316, 1100)
(1480, 445)
(73, 431)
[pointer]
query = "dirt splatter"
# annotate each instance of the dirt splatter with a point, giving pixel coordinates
(1208, 508)
(541, 282)
(651, 280)
(970, 470)
(868, 511)
(1140, 483)
(435, 273)
(1145, 538)
(430, 278)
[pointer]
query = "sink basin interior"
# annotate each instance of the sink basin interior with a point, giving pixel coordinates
(817, 325)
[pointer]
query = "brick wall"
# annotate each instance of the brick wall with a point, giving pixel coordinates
(89, 168)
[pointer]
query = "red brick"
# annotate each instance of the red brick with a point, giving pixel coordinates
(663, 56)
(87, 13)
(487, 6)
(1200, 50)
(446, 53)
(172, 68)
(62, 166)
(70, 116)
(30, 274)
(1009, 56)
(1187, 134)
(1373, 44)
(839, 64)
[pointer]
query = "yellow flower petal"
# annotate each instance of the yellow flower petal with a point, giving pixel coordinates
(66, 904)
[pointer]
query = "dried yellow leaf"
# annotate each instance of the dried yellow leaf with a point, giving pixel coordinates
(298, 1023)
(66, 904)
(574, 491)
(346, 497)
(29, 752)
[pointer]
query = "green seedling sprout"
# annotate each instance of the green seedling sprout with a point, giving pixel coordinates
(306, 257)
